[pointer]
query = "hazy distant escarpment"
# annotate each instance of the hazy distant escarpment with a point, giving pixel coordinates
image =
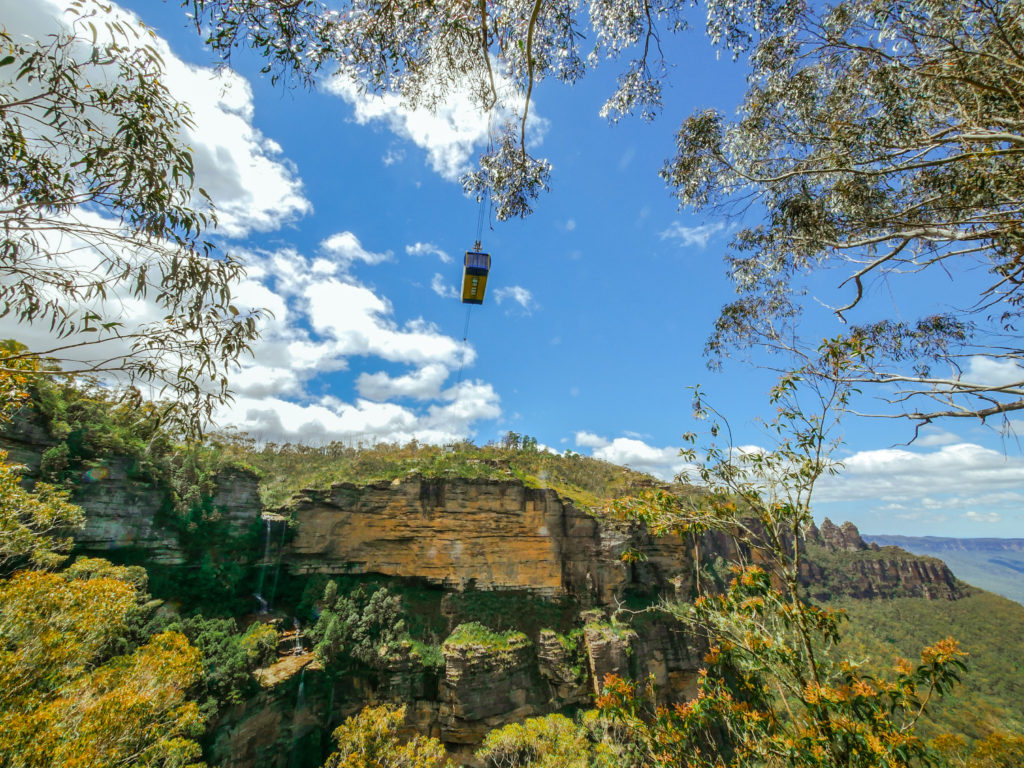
(993, 564)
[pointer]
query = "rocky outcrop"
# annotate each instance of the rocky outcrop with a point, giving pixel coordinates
(482, 534)
(485, 687)
(889, 574)
(125, 510)
(838, 538)
(561, 662)
(840, 563)
(122, 511)
(25, 439)
(609, 651)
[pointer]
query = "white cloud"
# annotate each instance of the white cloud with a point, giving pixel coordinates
(931, 436)
(323, 319)
(252, 186)
(958, 481)
(423, 384)
(983, 517)
(519, 295)
(993, 373)
(393, 156)
(590, 440)
(570, 225)
(425, 249)
(345, 248)
(451, 133)
(322, 315)
(692, 235)
(357, 321)
(442, 288)
(897, 474)
(664, 463)
(365, 421)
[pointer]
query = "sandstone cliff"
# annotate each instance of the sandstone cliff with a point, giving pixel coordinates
(842, 563)
(125, 508)
(459, 534)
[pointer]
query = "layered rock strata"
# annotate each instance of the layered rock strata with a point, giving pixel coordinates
(459, 534)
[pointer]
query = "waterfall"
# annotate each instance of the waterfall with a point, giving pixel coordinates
(300, 701)
(263, 605)
(277, 568)
(298, 650)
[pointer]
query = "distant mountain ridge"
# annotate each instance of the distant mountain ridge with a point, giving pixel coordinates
(993, 564)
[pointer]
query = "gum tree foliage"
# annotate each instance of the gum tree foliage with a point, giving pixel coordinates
(34, 525)
(229, 657)
(99, 210)
(774, 689)
(880, 140)
(370, 740)
(497, 50)
(356, 628)
(68, 697)
(552, 741)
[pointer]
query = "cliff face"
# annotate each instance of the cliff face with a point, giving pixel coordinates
(995, 565)
(501, 535)
(124, 507)
(486, 535)
(842, 563)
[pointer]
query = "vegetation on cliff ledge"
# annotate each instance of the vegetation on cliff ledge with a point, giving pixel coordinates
(287, 469)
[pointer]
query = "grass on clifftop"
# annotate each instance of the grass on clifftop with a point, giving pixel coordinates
(473, 634)
(287, 469)
(88, 423)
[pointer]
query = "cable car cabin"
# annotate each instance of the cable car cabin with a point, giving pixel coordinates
(474, 277)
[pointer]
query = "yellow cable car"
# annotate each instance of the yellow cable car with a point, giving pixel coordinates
(474, 276)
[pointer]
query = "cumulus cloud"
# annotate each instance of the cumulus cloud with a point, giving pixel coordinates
(345, 248)
(254, 188)
(322, 315)
(894, 474)
(992, 373)
(365, 421)
(664, 463)
(521, 296)
(687, 236)
(322, 319)
(961, 481)
(441, 287)
(428, 249)
(931, 436)
(423, 384)
(451, 133)
(590, 440)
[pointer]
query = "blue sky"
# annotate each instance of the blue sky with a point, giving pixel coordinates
(349, 214)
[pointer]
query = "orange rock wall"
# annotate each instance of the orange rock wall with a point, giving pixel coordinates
(493, 535)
